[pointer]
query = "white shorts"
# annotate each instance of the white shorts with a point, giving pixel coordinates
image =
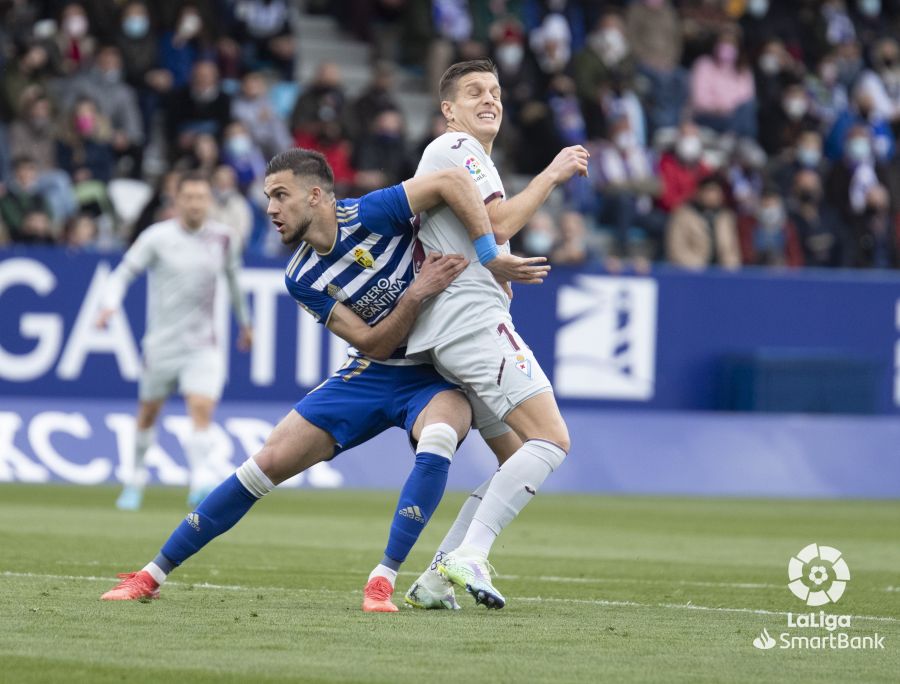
(497, 371)
(200, 372)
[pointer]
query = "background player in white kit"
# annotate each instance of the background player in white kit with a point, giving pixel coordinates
(467, 333)
(184, 257)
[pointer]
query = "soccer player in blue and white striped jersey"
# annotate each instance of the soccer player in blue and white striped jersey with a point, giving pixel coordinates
(353, 271)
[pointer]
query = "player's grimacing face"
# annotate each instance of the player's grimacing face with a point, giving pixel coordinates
(288, 207)
(476, 107)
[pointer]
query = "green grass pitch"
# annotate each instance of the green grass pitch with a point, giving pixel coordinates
(641, 589)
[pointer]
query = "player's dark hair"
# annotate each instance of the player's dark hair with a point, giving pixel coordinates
(303, 162)
(447, 88)
(192, 176)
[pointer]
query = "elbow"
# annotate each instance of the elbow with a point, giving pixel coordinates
(502, 233)
(375, 350)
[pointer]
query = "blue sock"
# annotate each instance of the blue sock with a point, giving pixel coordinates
(215, 515)
(418, 500)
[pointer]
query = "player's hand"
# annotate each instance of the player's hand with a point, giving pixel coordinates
(103, 317)
(509, 268)
(245, 338)
(437, 272)
(567, 163)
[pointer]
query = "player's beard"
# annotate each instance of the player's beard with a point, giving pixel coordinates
(294, 238)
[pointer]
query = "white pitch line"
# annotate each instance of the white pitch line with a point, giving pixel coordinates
(527, 599)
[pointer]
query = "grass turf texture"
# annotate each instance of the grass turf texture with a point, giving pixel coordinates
(599, 588)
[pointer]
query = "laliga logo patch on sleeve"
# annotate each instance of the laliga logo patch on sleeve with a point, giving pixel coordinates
(473, 166)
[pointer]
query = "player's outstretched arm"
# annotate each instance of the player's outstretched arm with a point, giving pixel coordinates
(379, 341)
(136, 260)
(508, 217)
(454, 187)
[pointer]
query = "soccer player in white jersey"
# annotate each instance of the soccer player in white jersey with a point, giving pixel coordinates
(468, 334)
(184, 257)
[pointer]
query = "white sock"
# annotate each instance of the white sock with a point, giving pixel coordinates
(143, 440)
(197, 449)
(384, 571)
(155, 572)
(511, 488)
(459, 527)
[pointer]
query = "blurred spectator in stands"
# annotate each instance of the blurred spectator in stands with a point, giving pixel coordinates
(161, 205)
(604, 74)
(81, 233)
(265, 33)
(181, 48)
(833, 28)
(869, 21)
(200, 107)
(322, 102)
(229, 205)
(702, 21)
(781, 127)
(764, 20)
(874, 243)
(539, 237)
(452, 25)
(380, 157)
(84, 150)
(702, 232)
(768, 236)
(203, 157)
(253, 108)
(244, 156)
(33, 135)
(551, 44)
(745, 175)
(29, 68)
(622, 174)
(74, 40)
(774, 69)
(35, 229)
(653, 31)
(21, 198)
(819, 227)
(567, 116)
(332, 141)
(378, 97)
(681, 169)
(572, 247)
(139, 46)
(827, 93)
(538, 139)
(882, 82)
(103, 83)
(860, 113)
(722, 88)
(805, 154)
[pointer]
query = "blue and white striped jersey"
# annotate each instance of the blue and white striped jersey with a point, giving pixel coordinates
(367, 269)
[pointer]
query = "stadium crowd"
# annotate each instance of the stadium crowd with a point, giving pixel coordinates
(721, 132)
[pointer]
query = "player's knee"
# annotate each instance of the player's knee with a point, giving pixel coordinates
(438, 438)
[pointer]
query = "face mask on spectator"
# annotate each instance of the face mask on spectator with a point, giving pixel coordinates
(84, 123)
(76, 25)
(869, 8)
(112, 76)
(771, 217)
(769, 63)
(757, 8)
(859, 150)
(726, 53)
(689, 148)
(809, 156)
(136, 26)
(190, 25)
(624, 140)
(510, 55)
(807, 196)
(538, 243)
(239, 145)
(611, 45)
(795, 107)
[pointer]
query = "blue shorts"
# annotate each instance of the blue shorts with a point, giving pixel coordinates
(363, 399)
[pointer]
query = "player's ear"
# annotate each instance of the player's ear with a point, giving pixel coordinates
(447, 110)
(315, 195)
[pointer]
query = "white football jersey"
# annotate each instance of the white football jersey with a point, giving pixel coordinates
(474, 297)
(183, 269)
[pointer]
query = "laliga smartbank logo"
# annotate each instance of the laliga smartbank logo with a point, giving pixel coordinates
(818, 575)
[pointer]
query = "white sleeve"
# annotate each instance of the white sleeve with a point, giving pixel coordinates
(137, 259)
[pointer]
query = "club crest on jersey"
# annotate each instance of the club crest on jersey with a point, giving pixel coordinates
(523, 364)
(363, 257)
(336, 293)
(473, 166)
